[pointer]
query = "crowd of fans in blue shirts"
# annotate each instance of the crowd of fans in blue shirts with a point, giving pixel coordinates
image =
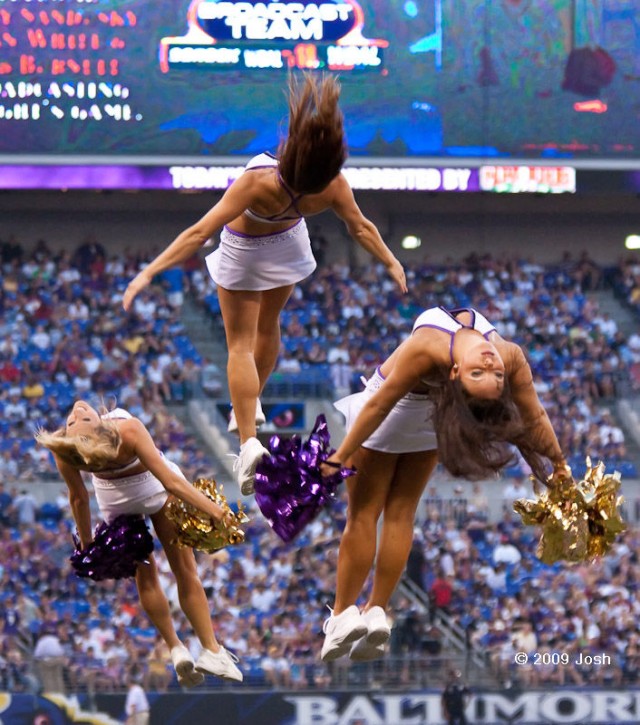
(64, 336)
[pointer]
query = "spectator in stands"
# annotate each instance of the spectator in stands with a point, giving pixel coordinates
(174, 382)
(50, 662)
(77, 310)
(611, 435)
(277, 667)
(82, 382)
(287, 363)
(136, 705)
(41, 338)
(16, 408)
(315, 355)
(25, 508)
(157, 674)
(341, 372)
(525, 638)
(130, 476)
(440, 594)
(633, 343)
(339, 353)
(416, 562)
(89, 255)
(5, 497)
(454, 391)
(211, 379)
(191, 378)
(263, 598)
(33, 388)
(15, 674)
(173, 281)
(607, 325)
(514, 490)
(505, 552)
(265, 249)
(455, 699)
(502, 661)
(158, 385)
(478, 508)
(10, 620)
(9, 371)
(631, 662)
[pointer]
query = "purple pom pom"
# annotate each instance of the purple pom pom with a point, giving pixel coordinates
(290, 490)
(116, 550)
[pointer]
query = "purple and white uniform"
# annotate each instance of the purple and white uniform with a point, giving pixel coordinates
(445, 320)
(139, 494)
(409, 425)
(268, 261)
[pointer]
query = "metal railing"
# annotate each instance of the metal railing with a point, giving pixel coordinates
(394, 672)
(453, 634)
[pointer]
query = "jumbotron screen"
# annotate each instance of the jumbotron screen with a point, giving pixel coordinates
(206, 79)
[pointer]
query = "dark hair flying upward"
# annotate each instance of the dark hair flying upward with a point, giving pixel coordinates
(314, 151)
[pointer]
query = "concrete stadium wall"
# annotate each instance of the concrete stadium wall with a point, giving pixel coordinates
(451, 226)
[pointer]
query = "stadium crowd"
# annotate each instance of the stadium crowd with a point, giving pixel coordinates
(268, 601)
(63, 336)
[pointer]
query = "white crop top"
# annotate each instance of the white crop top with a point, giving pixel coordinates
(445, 320)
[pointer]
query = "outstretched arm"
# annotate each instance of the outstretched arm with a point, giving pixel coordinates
(413, 361)
(78, 500)
(542, 435)
(364, 231)
(234, 201)
(135, 433)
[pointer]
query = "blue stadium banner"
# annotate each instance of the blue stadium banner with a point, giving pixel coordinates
(239, 706)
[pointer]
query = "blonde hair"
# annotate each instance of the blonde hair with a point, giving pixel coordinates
(91, 452)
(314, 151)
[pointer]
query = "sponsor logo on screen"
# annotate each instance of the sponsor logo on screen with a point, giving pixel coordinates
(532, 179)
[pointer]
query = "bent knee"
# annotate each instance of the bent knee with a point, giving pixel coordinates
(362, 524)
(183, 562)
(186, 575)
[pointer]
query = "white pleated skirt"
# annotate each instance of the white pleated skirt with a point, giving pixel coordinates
(262, 263)
(140, 494)
(407, 429)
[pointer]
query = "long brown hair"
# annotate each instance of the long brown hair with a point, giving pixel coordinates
(314, 151)
(475, 436)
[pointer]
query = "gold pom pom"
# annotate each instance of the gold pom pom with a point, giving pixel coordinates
(196, 530)
(579, 520)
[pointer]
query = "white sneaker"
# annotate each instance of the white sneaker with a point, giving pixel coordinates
(251, 453)
(340, 631)
(184, 667)
(221, 664)
(371, 646)
(362, 651)
(260, 418)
